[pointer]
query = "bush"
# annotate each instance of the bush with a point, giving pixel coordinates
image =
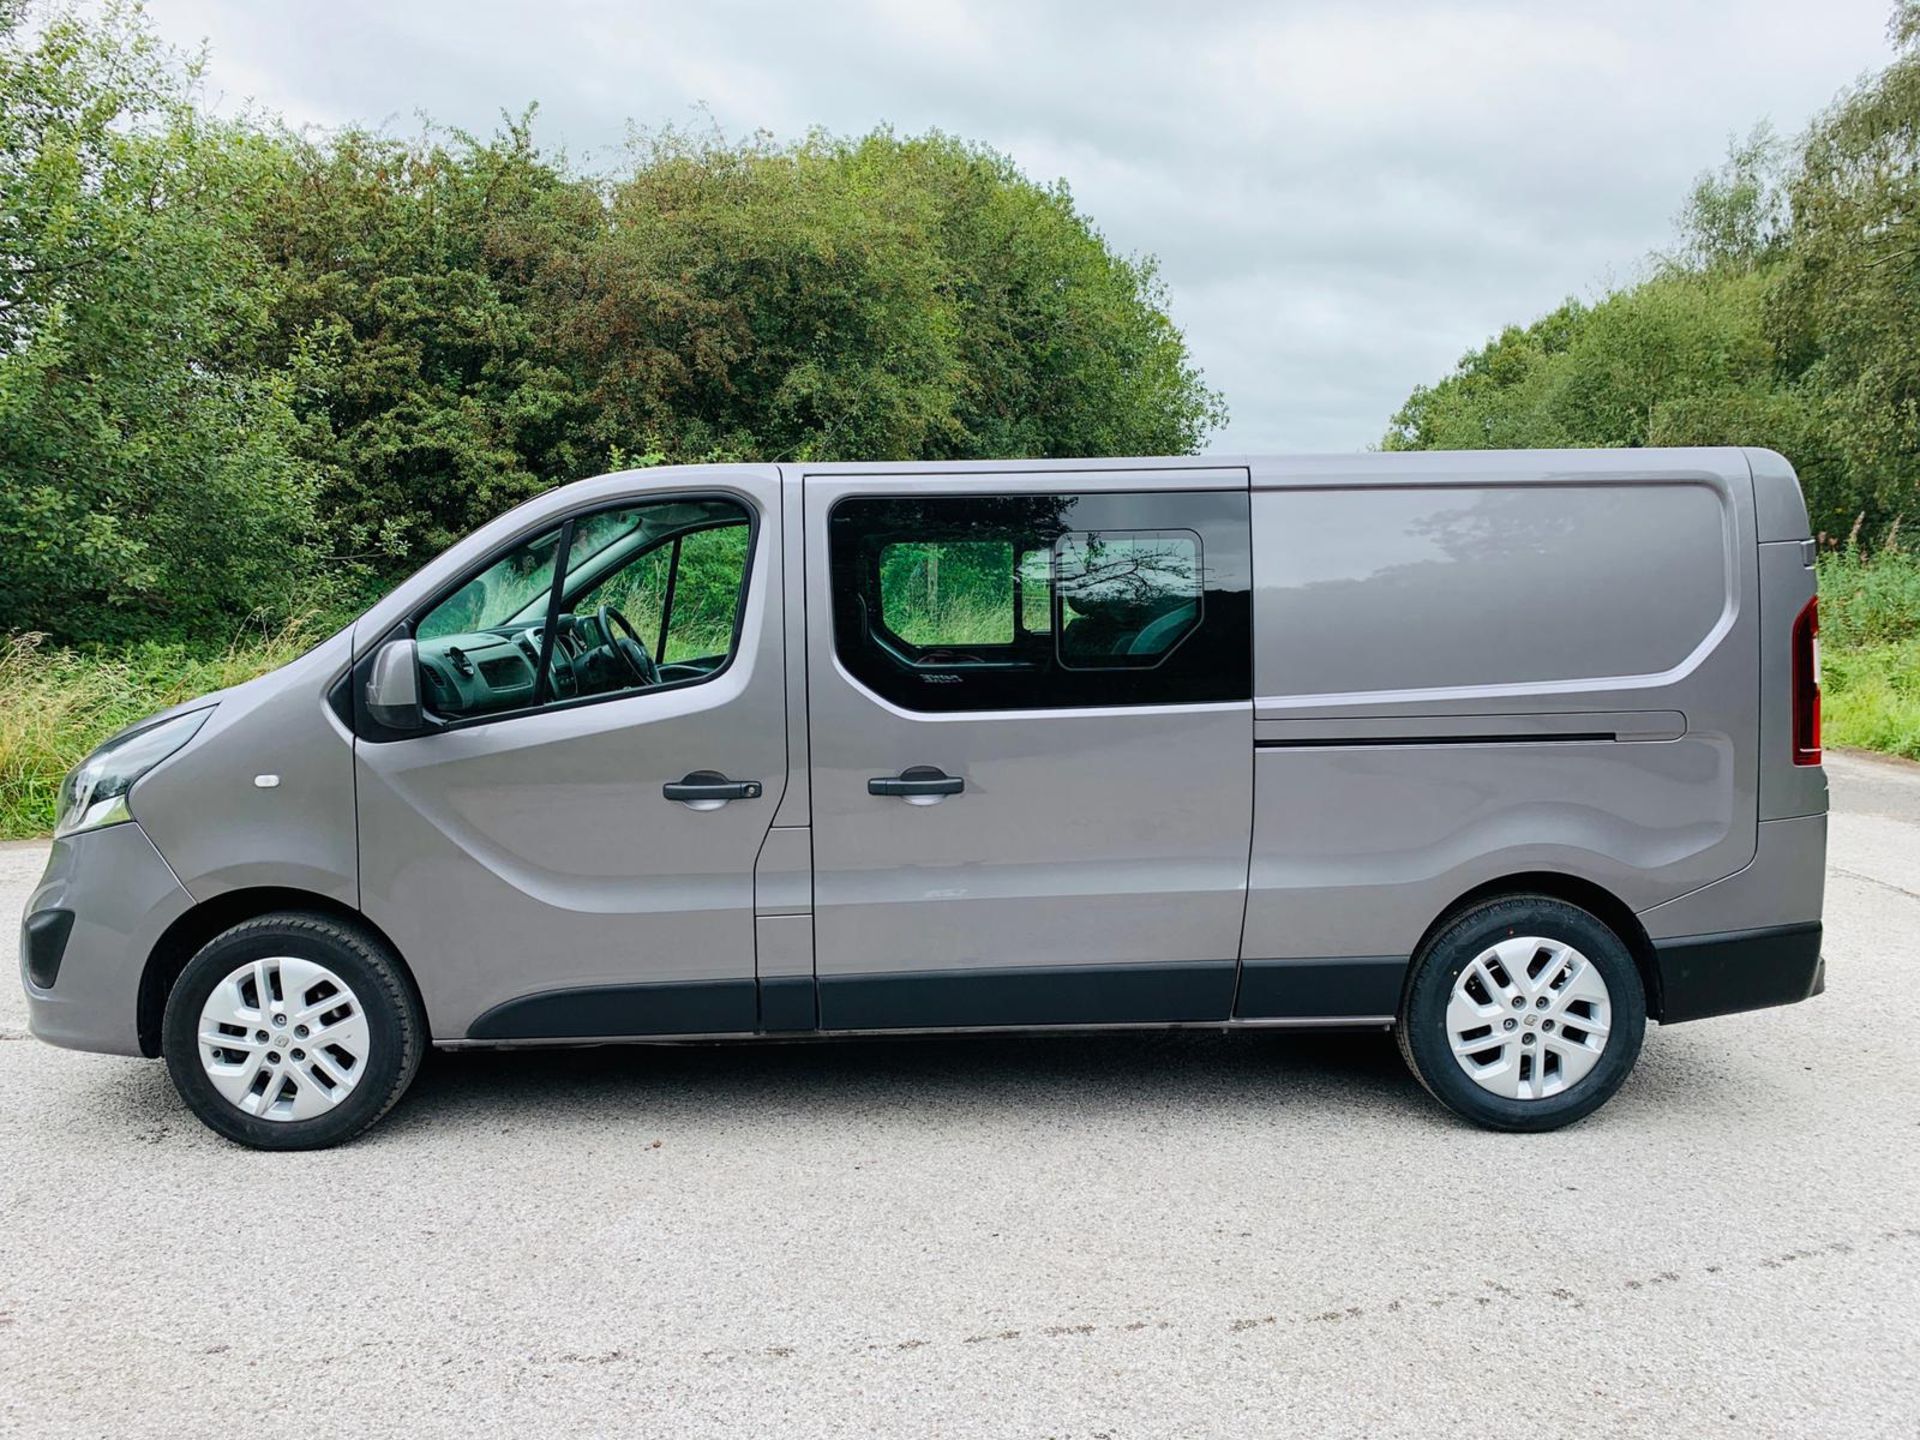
(247, 371)
(1872, 698)
(1870, 651)
(148, 483)
(1868, 601)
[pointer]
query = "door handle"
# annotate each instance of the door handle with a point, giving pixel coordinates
(710, 786)
(915, 781)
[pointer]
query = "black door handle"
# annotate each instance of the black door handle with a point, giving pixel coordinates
(710, 785)
(917, 780)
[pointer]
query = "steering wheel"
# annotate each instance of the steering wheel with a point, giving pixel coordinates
(634, 658)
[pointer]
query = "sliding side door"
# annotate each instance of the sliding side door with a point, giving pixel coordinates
(1031, 730)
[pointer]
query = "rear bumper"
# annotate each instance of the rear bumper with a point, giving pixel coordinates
(1702, 975)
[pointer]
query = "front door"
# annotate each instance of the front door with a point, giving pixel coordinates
(1031, 731)
(570, 854)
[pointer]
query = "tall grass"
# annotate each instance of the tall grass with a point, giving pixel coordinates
(1869, 601)
(1872, 698)
(56, 705)
(1870, 651)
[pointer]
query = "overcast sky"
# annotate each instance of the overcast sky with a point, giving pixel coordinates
(1344, 197)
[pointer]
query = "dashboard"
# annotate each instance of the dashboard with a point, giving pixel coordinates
(483, 672)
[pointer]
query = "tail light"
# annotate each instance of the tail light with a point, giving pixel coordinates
(1806, 685)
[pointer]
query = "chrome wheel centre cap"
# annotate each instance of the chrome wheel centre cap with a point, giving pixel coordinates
(255, 1016)
(1568, 1014)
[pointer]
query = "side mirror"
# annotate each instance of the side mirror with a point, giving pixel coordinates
(393, 687)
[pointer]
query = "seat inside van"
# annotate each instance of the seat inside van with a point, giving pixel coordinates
(1102, 627)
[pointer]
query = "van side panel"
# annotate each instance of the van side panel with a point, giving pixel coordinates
(1780, 509)
(1470, 666)
(1785, 885)
(1501, 594)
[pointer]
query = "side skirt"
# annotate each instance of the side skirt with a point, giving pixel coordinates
(614, 1011)
(1322, 989)
(1351, 992)
(790, 1037)
(1016, 997)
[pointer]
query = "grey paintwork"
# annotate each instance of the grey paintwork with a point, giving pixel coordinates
(222, 832)
(1083, 837)
(537, 852)
(1402, 757)
(1780, 510)
(1436, 597)
(123, 898)
(1785, 885)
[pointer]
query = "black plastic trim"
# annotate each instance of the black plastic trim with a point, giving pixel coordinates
(1361, 986)
(710, 785)
(1543, 738)
(1723, 974)
(787, 1004)
(917, 780)
(707, 1007)
(44, 942)
(550, 622)
(1056, 995)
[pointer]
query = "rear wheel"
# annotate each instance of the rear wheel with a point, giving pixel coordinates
(292, 1032)
(1523, 1013)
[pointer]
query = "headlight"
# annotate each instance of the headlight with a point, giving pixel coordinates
(95, 793)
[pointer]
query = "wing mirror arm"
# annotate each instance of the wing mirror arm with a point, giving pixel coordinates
(393, 687)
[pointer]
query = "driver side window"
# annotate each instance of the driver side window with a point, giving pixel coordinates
(649, 596)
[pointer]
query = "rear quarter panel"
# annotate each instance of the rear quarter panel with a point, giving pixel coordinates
(1476, 665)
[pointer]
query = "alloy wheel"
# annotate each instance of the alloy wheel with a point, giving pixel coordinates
(283, 1038)
(1529, 1018)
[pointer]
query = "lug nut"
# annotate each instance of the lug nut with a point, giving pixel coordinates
(1509, 1022)
(300, 1031)
(1519, 1002)
(279, 1019)
(1527, 1039)
(261, 1036)
(299, 1054)
(1541, 1003)
(273, 1057)
(1546, 1024)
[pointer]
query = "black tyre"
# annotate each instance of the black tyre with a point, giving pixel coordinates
(1523, 1013)
(292, 1032)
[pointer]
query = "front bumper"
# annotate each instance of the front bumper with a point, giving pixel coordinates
(121, 897)
(1702, 975)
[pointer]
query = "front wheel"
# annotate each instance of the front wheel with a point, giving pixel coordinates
(1523, 1013)
(292, 1032)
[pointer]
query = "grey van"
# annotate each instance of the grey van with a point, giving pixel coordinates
(1508, 752)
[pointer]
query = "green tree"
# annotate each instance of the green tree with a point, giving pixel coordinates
(147, 481)
(875, 298)
(245, 371)
(1848, 310)
(479, 324)
(1785, 317)
(1736, 217)
(411, 277)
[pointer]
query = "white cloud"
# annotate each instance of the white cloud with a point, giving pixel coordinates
(1345, 197)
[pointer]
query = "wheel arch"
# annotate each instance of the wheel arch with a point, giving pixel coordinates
(1597, 900)
(182, 940)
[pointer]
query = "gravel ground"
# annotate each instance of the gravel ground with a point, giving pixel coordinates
(1123, 1237)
